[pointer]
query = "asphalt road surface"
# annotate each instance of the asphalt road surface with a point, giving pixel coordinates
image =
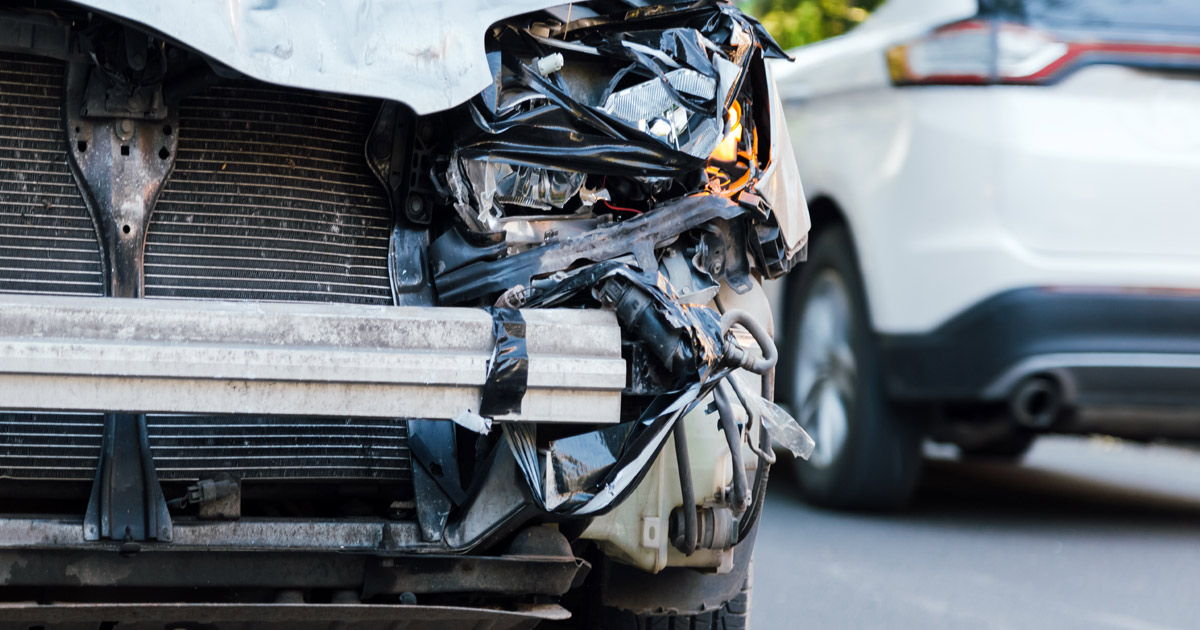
(1087, 533)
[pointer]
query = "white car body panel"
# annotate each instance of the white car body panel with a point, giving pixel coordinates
(427, 55)
(954, 194)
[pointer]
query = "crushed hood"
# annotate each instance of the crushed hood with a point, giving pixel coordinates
(427, 55)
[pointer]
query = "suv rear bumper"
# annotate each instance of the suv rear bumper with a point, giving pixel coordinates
(1106, 348)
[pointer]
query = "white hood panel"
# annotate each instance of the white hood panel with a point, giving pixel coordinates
(427, 55)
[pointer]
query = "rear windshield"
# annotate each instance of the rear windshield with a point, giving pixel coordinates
(1169, 14)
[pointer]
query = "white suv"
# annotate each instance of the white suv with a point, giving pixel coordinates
(1004, 198)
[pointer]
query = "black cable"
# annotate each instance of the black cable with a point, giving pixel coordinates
(764, 465)
(690, 535)
(759, 494)
(734, 438)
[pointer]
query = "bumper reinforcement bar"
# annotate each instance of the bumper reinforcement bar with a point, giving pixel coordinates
(168, 356)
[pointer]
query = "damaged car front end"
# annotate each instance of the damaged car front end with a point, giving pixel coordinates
(450, 315)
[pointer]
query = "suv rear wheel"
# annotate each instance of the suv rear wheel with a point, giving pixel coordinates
(865, 457)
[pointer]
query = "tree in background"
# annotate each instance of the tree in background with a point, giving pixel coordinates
(799, 22)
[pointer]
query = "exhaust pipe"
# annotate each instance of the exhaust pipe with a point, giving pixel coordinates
(1036, 402)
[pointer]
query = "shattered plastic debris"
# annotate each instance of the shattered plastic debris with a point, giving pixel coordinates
(636, 131)
(782, 427)
(472, 421)
(536, 188)
(496, 185)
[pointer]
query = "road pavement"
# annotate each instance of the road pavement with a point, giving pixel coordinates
(1092, 533)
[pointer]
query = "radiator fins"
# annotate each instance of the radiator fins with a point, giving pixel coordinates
(48, 242)
(50, 445)
(271, 200)
(186, 447)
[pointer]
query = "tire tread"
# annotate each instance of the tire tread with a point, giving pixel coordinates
(733, 615)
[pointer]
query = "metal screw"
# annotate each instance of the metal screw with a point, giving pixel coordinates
(125, 129)
(137, 102)
(416, 205)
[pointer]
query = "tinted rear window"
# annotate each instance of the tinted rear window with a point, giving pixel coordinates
(1170, 14)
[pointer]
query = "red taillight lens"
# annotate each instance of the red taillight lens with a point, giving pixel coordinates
(955, 54)
(980, 52)
(974, 52)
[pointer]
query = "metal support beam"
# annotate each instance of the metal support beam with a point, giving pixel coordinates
(127, 503)
(168, 356)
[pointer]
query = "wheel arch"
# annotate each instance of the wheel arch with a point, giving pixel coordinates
(879, 464)
(825, 214)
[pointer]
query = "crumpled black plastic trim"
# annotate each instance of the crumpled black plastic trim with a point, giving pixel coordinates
(569, 134)
(703, 331)
(508, 369)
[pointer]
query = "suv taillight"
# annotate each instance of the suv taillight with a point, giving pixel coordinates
(983, 52)
(974, 52)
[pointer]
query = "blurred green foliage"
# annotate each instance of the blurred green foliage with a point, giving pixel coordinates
(799, 22)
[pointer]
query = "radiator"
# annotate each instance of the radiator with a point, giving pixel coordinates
(188, 447)
(48, 242)
(271, 200)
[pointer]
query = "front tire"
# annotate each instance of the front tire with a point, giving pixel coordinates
(866, 458)
(732, 615)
